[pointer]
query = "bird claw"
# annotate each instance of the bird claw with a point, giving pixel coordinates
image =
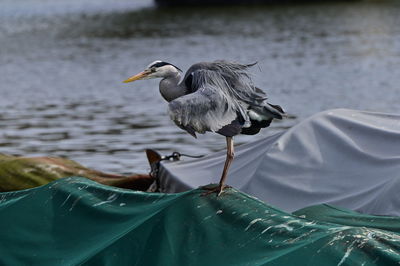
(218, 189)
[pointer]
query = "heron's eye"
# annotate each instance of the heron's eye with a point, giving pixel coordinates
(153, 69)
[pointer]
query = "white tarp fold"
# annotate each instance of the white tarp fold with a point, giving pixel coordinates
(343, 157)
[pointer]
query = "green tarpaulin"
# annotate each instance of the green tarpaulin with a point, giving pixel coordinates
(332, 214)
(76, 221)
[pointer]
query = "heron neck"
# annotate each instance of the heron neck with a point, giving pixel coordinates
(170, 89)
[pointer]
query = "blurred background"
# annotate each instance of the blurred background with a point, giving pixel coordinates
(62, 64)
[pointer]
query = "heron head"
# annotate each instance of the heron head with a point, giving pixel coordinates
(157, 69)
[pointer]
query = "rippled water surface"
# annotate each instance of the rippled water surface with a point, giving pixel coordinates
(62, 63)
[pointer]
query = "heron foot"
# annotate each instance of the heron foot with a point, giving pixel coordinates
(211, 189)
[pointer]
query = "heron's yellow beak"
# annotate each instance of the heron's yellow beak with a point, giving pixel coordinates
(141, 75)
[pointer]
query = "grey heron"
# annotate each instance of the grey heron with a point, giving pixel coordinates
(214, 96)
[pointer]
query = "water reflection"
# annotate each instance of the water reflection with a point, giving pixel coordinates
(61, 73)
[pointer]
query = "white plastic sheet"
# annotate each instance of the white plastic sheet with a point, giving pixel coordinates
(342, 157)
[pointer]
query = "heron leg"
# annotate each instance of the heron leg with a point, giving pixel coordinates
(230, 153)
(229, 158)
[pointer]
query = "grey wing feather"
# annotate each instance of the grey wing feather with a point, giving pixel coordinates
(219, 93)
(268, 110)
(242, 89)
(233, 78)
(229, 83)
(201, 111)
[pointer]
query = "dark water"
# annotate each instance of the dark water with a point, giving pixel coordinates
(62, 63)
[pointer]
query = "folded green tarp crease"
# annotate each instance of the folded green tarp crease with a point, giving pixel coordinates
(75, 221)
(332, 214)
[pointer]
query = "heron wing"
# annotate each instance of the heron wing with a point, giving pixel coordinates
(220, 95)
(241, 89)
(206, 109)
(232, 77)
